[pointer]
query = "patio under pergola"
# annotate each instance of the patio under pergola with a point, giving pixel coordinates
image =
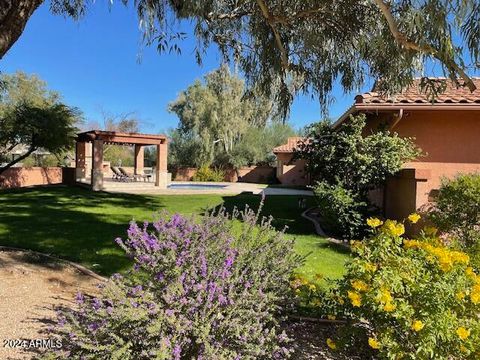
(100, 138)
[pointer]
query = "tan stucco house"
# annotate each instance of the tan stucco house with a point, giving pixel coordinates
(447, 130)
(289, 171)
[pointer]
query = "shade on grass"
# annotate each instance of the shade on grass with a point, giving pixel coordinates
(80, 225)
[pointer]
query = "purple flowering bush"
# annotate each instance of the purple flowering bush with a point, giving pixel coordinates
(208, 289)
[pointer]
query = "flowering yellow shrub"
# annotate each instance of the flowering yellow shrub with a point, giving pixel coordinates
(407, 298)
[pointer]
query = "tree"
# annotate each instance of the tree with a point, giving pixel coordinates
(305, 45)
(21, 88)
(125, 123)
(215, 115)
(51, 128)
(346, 164)
(31, 115)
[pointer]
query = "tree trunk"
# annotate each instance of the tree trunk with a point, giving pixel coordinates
(14, 15)
(20, 158)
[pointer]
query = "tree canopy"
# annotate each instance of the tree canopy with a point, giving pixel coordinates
(304, 45)
(218, 118)
(32, 116)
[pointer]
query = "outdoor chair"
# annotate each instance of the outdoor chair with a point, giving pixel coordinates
(117, 174)
(126, 175)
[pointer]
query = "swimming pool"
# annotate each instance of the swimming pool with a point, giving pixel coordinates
(196, 186)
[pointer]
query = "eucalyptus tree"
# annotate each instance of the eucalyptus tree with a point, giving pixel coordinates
(304, 45)
(218, 111)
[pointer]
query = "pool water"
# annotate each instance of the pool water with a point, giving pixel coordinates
(196, 186)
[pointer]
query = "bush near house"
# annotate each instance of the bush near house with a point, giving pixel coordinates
(347, 164)
(456, 211)
(407, 299)
(201, 290)
(206, 173)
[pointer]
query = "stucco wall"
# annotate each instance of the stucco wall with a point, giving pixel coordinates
(249, 174)
(20, 177)
(291, 172)
(449, 141)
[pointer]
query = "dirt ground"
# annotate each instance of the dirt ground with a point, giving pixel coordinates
(31, 287)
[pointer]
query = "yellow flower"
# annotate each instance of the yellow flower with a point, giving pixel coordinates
(385, 296)
(460, 295)
(413, 218)
(417, 325)
(389, 307)
(331, 317)
(312, 287)
(331, 344)
(393, 228)
(359, 285)
(374, 344)
(470, 273)
(463, 333)
(355, 298)
(370, 267)
(374, 222)
(475, 294)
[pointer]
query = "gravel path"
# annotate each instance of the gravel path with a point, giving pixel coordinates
(31, 288)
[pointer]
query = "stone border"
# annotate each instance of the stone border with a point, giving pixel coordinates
(321, 232)
(76, 266)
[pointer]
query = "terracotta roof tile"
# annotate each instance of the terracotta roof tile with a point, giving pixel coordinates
(290, 146)
(414, 95)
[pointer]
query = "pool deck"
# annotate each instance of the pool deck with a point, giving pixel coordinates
(230, 188)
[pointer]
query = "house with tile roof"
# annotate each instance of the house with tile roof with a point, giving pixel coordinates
(289, 171)
(446, 128)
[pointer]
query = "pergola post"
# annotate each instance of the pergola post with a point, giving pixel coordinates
(139, 159)
(80, 161)
(161, 177)
(97, 169)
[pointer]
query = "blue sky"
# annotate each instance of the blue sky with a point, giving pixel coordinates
(99, 63)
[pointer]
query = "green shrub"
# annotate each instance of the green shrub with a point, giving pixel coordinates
(201, 290)
(407, 299)
(342, 212)
(347, 156)
(206, 173)
(457, 208)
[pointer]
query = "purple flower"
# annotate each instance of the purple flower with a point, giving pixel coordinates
(79, 298)
(96, 304)
(159, 276)
(136, 290)
(177, 351)
(93, 326)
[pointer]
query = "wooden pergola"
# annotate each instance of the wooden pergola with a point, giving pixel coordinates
(98, 138)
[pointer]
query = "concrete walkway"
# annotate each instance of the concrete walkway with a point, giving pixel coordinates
(229, 188)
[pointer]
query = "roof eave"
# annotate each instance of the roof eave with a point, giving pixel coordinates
(382, 107)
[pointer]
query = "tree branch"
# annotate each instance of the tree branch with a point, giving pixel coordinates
(20, 158)
(278, 40)
(15, 16)
(402, 39)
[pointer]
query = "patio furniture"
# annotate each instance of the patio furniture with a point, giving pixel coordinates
(126, 175)
(118, 175)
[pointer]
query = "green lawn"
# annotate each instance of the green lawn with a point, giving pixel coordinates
(81, 225)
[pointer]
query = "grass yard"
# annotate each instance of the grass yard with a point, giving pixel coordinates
(79, 225)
